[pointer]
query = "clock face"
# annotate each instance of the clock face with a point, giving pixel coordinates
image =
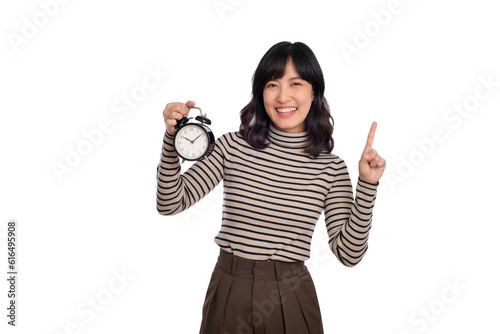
(191, 142)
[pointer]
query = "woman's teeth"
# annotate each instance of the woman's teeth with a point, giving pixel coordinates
(285, 110)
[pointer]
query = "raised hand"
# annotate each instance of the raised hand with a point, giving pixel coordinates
(371, 164)
(175, 111)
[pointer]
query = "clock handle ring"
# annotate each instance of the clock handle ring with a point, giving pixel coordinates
(198, 109)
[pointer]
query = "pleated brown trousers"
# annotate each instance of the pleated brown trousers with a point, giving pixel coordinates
(260, 297)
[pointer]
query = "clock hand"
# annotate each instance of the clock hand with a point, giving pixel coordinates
(192, 141)
(197, 137)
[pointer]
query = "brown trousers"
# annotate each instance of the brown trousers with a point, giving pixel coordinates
(260, 297)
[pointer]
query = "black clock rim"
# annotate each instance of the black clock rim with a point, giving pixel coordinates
(211, 141)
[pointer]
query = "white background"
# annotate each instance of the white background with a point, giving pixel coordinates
(435, 222)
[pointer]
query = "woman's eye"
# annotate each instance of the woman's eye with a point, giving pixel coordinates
(271, 85)
(296, 84)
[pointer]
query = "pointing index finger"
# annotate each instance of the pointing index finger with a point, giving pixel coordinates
(371, 136)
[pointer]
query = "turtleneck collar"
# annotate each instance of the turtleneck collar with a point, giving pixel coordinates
(287, 139)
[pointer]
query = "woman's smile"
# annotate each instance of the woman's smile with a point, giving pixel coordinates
(286, 112)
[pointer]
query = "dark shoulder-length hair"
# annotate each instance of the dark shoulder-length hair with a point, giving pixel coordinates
(255, 121)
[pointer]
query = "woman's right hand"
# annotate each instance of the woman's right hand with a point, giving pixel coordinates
(173, 112)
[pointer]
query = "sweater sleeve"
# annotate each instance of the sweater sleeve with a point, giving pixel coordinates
(348, 222)
(176, 192)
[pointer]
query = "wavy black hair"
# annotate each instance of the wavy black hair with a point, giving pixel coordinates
(255, 121)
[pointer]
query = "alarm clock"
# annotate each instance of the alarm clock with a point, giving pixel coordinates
(193, 141)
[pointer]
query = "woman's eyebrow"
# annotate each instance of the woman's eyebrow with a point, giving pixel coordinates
(294, 78)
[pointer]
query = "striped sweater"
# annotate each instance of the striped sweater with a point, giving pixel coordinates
(273, 197)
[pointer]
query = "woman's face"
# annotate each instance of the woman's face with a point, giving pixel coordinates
(287, 100)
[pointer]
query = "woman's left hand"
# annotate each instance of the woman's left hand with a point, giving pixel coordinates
(371, 165)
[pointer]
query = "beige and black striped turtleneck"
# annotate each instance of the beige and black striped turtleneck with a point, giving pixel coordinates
(273, 197)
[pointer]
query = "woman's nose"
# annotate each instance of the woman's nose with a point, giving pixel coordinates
(283, 94)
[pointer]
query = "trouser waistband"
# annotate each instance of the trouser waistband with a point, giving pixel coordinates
(263, 270)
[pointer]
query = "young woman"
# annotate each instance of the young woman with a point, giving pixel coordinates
(279, 176)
